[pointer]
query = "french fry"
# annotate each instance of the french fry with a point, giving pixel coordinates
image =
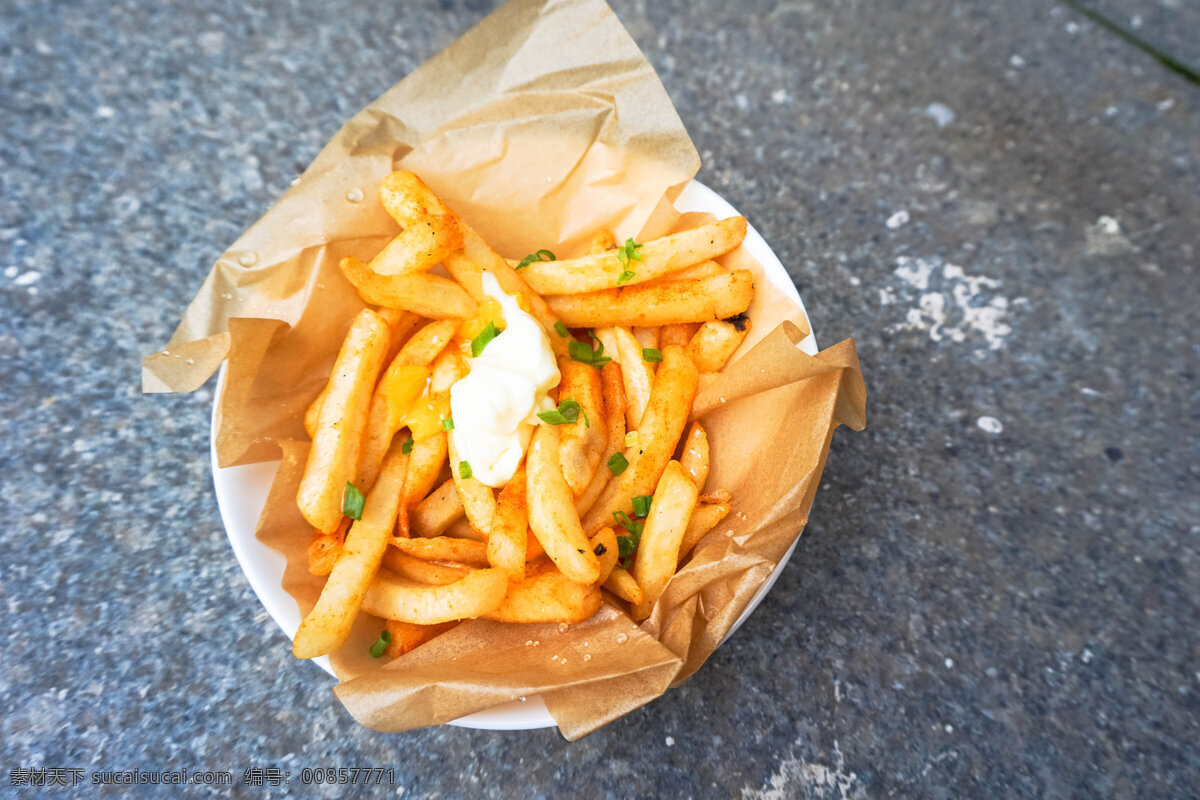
(440, 508)
(507, 544)
(420, 570)
(662, 424)
(705, 517)
(406, 636)
(462, 529)
(623, 585)
(552, 514)
(614, 406)
(323, 553)
(604, 545)
(448, 368)
(427, 295)
(638, 375)
(717, 297)
(658, 554)
(431, 231)
(705, 269)
(424, 467)
(600, 271)
(312, 415)
(444, 548)
(602, 240)
(547, 597)
(581, 443)
(402, 324)
(478, 502)
(328, 624)
(647, 337)
(714, 343)
(333, 457)
(695, 455)
(680, 333)
(477, 593)
(716, 496)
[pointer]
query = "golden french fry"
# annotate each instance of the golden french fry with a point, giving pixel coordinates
(700, 300)
(431, 231)
(547, 597)
(614, 406)
(444, 548)
(658, 554)
(604, 545)
(394, 395)
(425, 462)
(716, 496)
(552, 514)
(420, 570)
(506, 546)
(477, 499)
(646, 337)
(680, 333)
(427, 295)
(581, 443)
(705, 517)
(476, 594)
(623, 585)
(333, 457)
(705, 269)
(312, 415)
(638, 375)
(461, 529)
(448, 368)
(440, 508)
(662, 424)
(323, 553)
(605, 270)
(695, 454)
(328, 624)
(406, 636)
(602, 240)
(714, 343)
(402, 324)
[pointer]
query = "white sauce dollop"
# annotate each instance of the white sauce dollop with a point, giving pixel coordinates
(495, 406)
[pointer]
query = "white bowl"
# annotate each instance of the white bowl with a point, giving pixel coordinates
(242, 493)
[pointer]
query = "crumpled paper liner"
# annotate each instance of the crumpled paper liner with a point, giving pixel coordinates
(539, 125)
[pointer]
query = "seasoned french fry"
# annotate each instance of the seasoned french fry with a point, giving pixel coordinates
(680, 333)
(328, 624)
(406, 636)
(333, 457)
(695, 455)
(700, 300)
(646, 337)
(444, 548)
(420, 570)
(402, 324)
(440, 508)
(552, 514)
(548, 597)
(477, 499)
(461, 529)
(623, 585)
(424, 467)
(604, 545)
(312, 415)
(662, 424)
(705, 269)
(638, 375)
(614, 406)
(427, 295)
(716, 496)
(705, 517)
(431, 231)
(593, 273)
(602, 240)
(506, 546)
(658, 554)
(476, 594)
(581, 443)
(714, 343)
(448, 368)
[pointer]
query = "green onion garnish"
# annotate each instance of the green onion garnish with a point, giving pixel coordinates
(561, 329)
(380, 644)
(406, 448)
(481, 341)
(464, 470)
(584, 354)
(540, 255)
(448, 424)
(617, 463)
(651, 355)
(352, 501)
(641, 506)
(626, 253)
(566, 413)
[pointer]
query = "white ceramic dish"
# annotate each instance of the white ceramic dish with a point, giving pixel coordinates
(242, 493)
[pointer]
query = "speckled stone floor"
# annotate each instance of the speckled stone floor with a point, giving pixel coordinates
(997, 595)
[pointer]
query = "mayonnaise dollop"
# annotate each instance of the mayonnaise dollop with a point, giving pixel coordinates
(495, 406)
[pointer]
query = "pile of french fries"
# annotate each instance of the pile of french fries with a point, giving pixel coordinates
(609, 500)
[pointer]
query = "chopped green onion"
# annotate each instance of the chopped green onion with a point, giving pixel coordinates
(626, 277)
(380, 644)
(483, 339)
(540, 255)
(641, 506)
(561, 329)
(464, 470)
(627, 545)
(629, 252)
(448, 424)
(566, 413)
(352, 501)
(406, 448)
(617, 463)
(651, 355)
(631, 439)
(584, 354)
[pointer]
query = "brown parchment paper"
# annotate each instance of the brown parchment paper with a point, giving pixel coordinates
(539, 125)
